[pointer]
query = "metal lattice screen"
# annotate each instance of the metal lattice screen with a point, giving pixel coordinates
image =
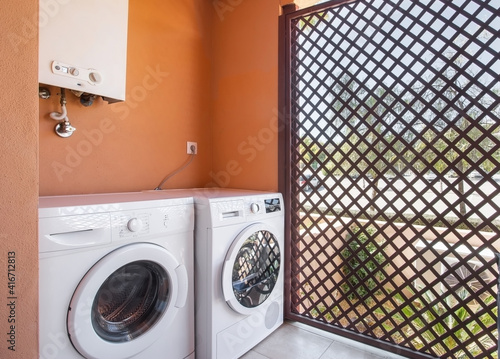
(395, 163)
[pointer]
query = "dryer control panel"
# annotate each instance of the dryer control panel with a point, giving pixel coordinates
(227, 211)
(262, 205)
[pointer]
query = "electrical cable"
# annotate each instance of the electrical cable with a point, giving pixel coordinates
(175, 172)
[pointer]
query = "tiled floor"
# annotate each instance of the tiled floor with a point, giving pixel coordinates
(298, 341)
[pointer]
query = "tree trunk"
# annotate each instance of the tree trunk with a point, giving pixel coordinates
(461, 186)
(374, 194)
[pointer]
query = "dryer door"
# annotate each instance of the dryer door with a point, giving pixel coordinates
(251, 268)
(126, 301)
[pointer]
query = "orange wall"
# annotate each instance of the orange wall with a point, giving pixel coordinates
(132, 146)
(245, 92)
(217, 86)
(245, 95)
(19, 178)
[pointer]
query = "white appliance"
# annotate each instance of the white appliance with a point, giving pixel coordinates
(83, 46)
(239, 265)
(116, 277)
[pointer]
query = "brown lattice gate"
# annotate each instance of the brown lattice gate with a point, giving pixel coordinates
(391, 166)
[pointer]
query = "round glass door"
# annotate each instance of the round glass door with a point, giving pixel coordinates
(252, 266)
(130, 301)
(126, 301)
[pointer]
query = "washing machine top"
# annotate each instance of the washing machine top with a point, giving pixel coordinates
(51, 206)
(84, 221)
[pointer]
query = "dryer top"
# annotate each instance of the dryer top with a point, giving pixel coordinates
(232, 206)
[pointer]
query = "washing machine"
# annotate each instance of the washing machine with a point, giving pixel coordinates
(116, 277)
(239, 248)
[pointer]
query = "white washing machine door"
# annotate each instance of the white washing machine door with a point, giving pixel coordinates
(126, 301)
(251, 268)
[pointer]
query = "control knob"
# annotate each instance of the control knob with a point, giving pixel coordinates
(254, 207)
(134, 225)
(95, 77)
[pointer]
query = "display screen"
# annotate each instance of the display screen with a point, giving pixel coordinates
(272, 205)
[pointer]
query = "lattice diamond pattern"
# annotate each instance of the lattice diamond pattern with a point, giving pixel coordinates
(396, 158)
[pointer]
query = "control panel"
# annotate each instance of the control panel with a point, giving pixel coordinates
(90, 76)
(262, 205)
(150, 222)
(131, 225)
(246, 208)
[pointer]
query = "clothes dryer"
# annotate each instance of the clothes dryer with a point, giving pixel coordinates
(116, 277)
(239, 248)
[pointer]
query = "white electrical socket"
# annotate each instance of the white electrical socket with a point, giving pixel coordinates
(189, 151)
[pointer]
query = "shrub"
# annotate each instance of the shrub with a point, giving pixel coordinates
(362, 264)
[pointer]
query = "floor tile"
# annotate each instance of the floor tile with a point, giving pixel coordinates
(253, 355)
(291, 342)
(338, 350)
(294, 340)
(313, 329)
(360, 350)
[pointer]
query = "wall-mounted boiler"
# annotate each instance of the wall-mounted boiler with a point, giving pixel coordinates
(83, 46)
